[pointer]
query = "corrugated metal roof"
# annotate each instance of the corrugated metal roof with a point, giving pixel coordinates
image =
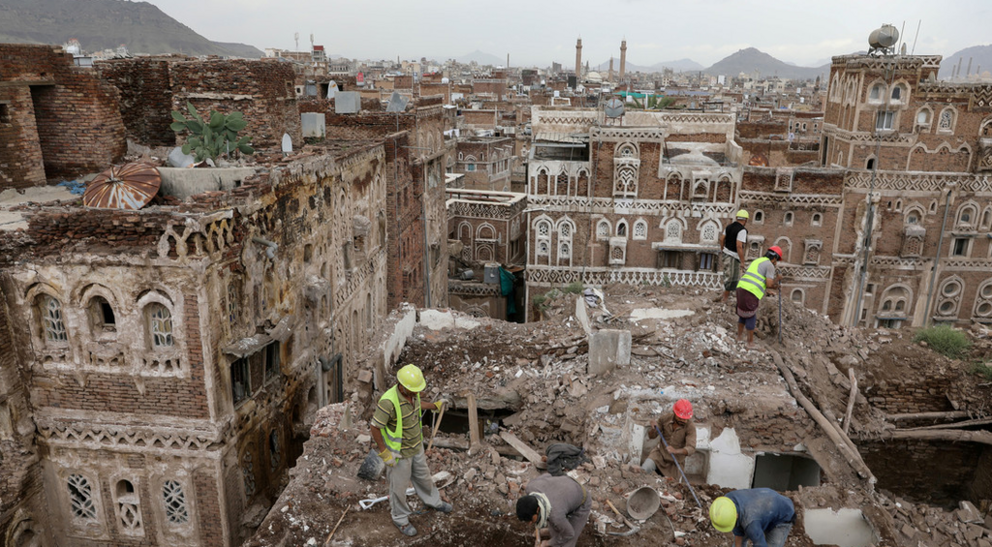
(555, 136)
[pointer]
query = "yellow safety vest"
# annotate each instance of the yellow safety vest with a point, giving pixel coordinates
(394, 438)
(752, 281)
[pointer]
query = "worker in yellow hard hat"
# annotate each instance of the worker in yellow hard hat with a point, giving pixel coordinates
(397, 431)
(733, 242)
(759, 515)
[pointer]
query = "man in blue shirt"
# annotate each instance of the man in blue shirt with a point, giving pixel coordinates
(760, 515)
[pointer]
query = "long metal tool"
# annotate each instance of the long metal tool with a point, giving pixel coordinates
(676, 460)
(632, 529)
(437, 425)
(780, 293)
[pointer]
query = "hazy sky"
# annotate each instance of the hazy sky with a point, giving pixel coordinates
(535, 32)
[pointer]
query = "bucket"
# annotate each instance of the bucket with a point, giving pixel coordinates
(643, 503)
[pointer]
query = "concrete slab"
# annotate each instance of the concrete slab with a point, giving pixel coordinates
(658, 313)
(728, 467)
(347, 102)
(608, 349)
(843, 528)
(313, 125)
(466, 323)
(436, 319)
(582, 315)
(36, 194)
(182, 183)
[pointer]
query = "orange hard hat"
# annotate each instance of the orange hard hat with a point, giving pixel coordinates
(777, 250)
(683, 409)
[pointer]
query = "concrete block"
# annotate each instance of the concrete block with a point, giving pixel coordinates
(728, 467)
(436, 319)
(347, 102)
(608, 349)
(313, 124)
(182, 183)
(582, 315)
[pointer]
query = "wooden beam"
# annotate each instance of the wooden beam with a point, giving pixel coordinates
(983, 437)
(850, 401)
(527, 452)
(951, 415)
(473, 421)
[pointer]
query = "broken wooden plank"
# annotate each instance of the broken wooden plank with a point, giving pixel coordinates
(473, 420)
(527, 452)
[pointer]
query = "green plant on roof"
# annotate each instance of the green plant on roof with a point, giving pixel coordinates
(213, 138)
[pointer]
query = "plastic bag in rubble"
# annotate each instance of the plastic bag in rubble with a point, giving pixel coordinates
(563, 457)
(372, 467)
(594, 297)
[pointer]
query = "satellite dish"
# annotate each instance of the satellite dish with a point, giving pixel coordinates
(882, 39)
(130, 186)
(614, 108)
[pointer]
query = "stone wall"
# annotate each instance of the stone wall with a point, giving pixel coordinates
(146, 98)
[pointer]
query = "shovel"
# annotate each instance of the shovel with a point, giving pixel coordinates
(633, 529)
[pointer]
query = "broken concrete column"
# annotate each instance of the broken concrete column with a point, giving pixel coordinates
(608, 349)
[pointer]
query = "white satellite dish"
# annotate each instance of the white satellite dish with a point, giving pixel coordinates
(614, 108)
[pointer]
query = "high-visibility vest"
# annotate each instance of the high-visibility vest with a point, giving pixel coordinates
(394, 438)
(752, 281)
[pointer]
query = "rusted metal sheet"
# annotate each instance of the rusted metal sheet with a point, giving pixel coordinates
(129, 186)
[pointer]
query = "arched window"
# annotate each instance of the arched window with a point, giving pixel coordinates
(543, 228)
(603, 228)
(798, 296)
(673, 231)
(788, 218)
(81, 500)
(759, 217)
(128, 508)
(946, 122)
(159, 326)
(640, 229)
(626, 150)
(622, 228)
(876, 93)
(710, 233)
(53, 325)
(817, 219)
(913, 217)
(967, 216)
(102, 317)
(564, 250)
(870, 164)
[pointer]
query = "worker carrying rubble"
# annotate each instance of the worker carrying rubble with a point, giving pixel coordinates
(733, 241)
(759, 515)
(559, 504)
(397, 431)
(759, 277)
(679, 430)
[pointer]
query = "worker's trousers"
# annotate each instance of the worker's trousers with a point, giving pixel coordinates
(410, 470)
(775, 538)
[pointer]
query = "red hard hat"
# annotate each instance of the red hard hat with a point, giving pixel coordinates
(777, 250)
(683, 409)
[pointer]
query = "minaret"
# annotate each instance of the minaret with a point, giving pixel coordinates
(610, 77)
(578, 61)
(623, 59)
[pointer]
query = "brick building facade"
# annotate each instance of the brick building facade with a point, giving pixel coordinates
(171, 355)
(486, 162)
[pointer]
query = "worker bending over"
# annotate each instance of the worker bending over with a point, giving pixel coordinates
(679, 430)
(397, 429)
(759, 277)
(559, 504)
(759, 515)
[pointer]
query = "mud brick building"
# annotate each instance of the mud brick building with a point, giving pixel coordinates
(169, 357)
(417, 155)
(486, 162)
(56, 119)
(641, 203)
(151, 88)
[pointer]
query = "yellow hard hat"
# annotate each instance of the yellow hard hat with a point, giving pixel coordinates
(723, 514)
(743, 214)
(412, 378)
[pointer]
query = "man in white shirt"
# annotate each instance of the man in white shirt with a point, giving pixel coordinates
(733, 241)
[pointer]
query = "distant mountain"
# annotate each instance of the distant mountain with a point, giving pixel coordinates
(681, 65)
(981, 58)
(684, 65)
(481, 58)
(751, 60)
(103, 24)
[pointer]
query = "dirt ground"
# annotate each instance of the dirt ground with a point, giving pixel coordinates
(532, 380)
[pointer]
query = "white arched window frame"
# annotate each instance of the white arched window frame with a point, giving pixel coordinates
(486, 231)
(876, 93)
(913, 215)
(709, 232)
(967, 217)
(542, 239)
(627, 150)
(946, 120)
(622, 228)
(159, 315)
(923, 119)
(983, 302)
(603, 229)
(640, 229)
(673, 231)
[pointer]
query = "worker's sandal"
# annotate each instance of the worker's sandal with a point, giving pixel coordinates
(445, 507)
(407, 529)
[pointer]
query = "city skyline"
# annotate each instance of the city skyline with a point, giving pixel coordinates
(538, 34)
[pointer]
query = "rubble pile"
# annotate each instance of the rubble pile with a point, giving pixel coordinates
(531, 383)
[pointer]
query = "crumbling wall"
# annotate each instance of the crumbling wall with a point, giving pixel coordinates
(61, 118)
(262, 90)
(146, 98)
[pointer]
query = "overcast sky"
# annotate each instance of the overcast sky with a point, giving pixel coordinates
(535, 32)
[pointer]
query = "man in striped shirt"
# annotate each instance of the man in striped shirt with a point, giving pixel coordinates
(398, 432)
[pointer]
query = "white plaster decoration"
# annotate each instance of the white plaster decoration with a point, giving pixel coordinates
(640, 229)
(174, 499)
(546, 276)
(81, 497)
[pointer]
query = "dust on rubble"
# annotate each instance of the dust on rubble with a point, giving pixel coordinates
(536, 374)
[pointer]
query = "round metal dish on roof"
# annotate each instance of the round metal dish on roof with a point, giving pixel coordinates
(129, 186)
